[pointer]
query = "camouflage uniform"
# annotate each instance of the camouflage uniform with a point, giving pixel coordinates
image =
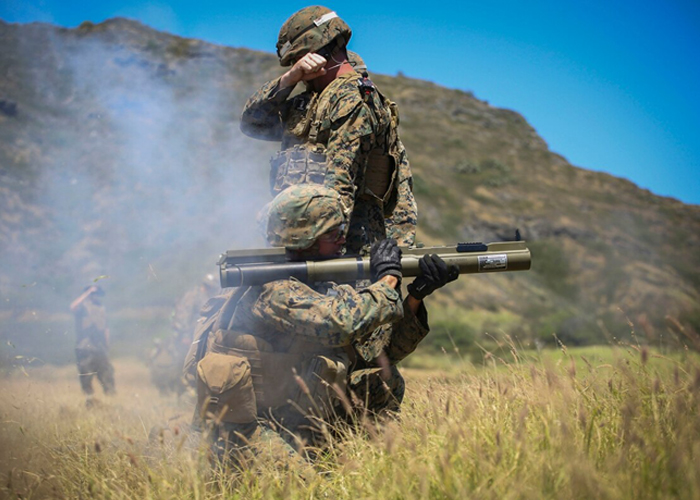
(91, 349)
(298, 340)
(345, 138)
(327, 320)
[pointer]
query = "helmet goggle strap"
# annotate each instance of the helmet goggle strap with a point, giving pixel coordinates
(315, 24)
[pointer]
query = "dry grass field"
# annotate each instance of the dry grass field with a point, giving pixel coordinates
(593, 423)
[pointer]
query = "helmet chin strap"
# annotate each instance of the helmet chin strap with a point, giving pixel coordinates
(336, 66)
(338, 63)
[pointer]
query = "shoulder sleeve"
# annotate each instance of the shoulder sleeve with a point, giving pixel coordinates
(345, 101)
(334, 319)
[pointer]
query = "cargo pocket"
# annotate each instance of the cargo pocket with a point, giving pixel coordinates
(225, 388)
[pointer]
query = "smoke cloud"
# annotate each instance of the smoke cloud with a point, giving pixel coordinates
(137, 175)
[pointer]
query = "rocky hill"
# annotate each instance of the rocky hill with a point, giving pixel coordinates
(120, 156)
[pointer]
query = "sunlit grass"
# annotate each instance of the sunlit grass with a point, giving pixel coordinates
(570, 423)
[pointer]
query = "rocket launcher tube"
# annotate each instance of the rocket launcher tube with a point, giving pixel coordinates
(260, 266)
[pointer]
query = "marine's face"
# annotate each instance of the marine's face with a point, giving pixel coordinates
(331, 244)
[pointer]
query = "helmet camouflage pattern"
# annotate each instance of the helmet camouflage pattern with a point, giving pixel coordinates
(308, 30)
(302, 213)
(357, 62)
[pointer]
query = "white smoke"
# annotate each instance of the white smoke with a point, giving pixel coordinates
(144, 177)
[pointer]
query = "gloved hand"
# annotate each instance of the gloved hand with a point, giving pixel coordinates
(436, 274)
(385, 259)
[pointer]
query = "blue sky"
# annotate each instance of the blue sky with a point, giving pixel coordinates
(610, 85)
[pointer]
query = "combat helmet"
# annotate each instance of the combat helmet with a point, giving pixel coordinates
(308, 30)
(301, 213)
(357, 63)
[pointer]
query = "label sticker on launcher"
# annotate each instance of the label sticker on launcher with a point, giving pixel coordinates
(493, 262)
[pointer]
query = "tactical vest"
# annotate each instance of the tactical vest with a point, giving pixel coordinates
(240, 376)
(308, 129)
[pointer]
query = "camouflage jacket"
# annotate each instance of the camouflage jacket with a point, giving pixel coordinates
(341, 126)
(288, 312)
(295, 317)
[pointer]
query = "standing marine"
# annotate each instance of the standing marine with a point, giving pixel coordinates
(340, 132)
(92, 340)
(281, 359)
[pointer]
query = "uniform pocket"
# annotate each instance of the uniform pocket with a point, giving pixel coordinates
(225, 388)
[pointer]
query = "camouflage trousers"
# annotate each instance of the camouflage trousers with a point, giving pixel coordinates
(373, 392)
(377, 390)
(93, 362)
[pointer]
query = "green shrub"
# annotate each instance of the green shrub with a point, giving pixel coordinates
(449, 333)
(551, 264)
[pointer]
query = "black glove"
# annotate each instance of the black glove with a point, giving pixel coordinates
(385, 259)
(436, 274)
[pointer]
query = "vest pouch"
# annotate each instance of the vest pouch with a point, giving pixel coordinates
(272, 373)
(297, 165)
(293, 171)
(380, 175)
(316, 167)
(225, 388)
(278, 166)
(279, 384)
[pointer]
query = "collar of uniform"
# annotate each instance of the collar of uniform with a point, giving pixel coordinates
(340, 80)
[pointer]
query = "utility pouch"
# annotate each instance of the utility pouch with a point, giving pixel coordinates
(380, 175)
(225, 388)
(272, 373)
(297, 165)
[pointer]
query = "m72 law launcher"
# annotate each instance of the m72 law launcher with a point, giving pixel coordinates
(257, 267)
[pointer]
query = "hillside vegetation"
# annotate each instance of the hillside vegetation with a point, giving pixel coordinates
(121, 160)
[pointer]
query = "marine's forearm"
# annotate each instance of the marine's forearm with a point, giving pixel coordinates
(408, 332)
(261, 117)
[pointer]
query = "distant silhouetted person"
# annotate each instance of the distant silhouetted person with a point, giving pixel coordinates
(92, 340)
